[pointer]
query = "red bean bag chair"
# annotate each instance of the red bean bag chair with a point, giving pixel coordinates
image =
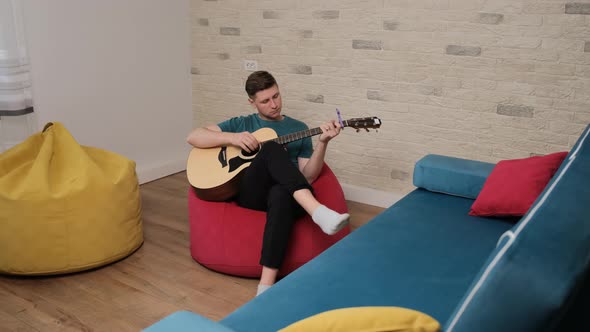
(228, 238)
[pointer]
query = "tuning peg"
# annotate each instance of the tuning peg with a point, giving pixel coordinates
(357, 130)
(367, 129)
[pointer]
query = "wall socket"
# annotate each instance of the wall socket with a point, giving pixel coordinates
(250, 65)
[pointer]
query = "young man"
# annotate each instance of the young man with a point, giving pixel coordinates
(278, 180)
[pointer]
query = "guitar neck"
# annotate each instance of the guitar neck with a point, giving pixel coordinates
(300, 135)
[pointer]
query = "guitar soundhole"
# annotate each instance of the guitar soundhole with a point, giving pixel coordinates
(249, 154)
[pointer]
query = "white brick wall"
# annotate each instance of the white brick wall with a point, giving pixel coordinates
(483, 80)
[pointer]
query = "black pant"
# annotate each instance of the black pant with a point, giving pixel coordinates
(268, 185)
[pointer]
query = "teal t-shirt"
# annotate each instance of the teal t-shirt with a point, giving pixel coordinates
(302, 148)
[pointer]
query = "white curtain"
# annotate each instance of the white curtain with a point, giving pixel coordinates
(15, 81)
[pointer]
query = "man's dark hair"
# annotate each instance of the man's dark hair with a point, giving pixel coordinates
(258, 81)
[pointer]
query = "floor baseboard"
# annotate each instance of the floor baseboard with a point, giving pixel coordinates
(156, 171)
(370, 196)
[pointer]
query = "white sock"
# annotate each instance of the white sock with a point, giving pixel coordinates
(262, 288)
(329, 220)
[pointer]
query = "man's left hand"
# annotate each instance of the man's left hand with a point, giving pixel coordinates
(329, 131)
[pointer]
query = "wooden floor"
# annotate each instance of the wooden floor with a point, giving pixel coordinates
(129, 295)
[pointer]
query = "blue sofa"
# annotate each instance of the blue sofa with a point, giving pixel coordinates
(426, 253)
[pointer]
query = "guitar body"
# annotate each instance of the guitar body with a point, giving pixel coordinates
(215, 172)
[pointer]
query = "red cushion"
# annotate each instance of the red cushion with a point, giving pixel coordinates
(228, 238)
(514, 185)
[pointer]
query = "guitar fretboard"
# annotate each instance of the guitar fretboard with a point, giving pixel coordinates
(300, 135)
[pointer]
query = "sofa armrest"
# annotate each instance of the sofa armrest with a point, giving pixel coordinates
(453, 176)
(186, 321)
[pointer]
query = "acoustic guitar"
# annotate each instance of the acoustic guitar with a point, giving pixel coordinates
(215, 172)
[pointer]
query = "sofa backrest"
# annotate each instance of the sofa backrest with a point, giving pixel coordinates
(530, 280)
(451, 175)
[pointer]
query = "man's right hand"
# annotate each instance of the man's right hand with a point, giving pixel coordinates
(246, 141)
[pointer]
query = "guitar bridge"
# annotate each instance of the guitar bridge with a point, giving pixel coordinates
(222, 156)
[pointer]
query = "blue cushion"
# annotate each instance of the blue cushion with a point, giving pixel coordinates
(453, 176)
(186, 321)
(401, 258)
(529, 280)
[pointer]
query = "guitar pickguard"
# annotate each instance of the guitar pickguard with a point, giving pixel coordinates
(236, 162)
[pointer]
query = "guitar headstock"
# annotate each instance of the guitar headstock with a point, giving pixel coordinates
(372, 122)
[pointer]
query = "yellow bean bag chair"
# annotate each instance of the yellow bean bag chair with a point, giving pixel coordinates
(65, 207)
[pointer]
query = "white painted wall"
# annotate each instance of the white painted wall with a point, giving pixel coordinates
(117, 75)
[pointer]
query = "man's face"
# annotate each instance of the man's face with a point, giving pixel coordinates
(268, 103)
